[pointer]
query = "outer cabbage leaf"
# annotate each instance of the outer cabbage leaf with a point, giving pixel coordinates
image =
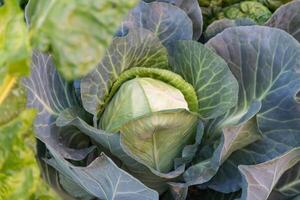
(89, 26)
(220, 25)
(247, 55)
(274, 4)
(53, 178)
(96, 175)
(260, 179)
(269, 74)
(287, 18)
(50, 94)
(71, 187)
(139, 48)
(210, 76)
(166, 21)
(214, 153)
(192, 9)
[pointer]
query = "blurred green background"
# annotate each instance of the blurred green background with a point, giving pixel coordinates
(19, 172)
(20, 177)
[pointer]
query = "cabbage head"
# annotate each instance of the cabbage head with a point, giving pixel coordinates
(164, 116)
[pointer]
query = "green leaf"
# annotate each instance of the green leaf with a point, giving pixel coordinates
(287, 18)
(166, 21)
(247, 55)
(192, 9)
(145, 138)
(50, 175)
(220, 25)
(260, 179)
(14, 47)
(246, 9)
(50, 95)
(139, 48)
(237, 137)
(214, 84)
(47, 90)
(13, 104)
(18, 171)
(88, 25)
(268, 73)
(73, 188)
(14, 41)
(95, 176)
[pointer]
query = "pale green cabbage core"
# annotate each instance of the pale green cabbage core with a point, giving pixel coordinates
(140, 97)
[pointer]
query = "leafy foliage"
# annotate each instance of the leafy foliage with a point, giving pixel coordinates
(14, 47)
(242, 121)
(19, 173)
(287, 18)
(257, 10)
(151, 112)
(263, 177)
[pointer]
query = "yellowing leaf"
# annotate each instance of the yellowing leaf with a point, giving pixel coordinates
(75, 32)
(14, 46)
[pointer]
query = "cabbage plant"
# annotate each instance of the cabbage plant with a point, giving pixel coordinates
(163, 116)
(257, 10)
